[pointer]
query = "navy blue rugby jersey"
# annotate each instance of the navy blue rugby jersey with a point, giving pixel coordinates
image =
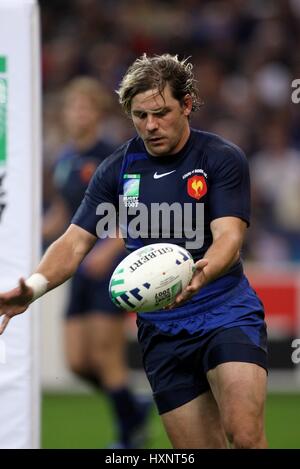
(74, 170)
(208, 170)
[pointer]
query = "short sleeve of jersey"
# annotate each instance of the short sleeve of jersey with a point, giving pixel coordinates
(229, 191)
(103, 188)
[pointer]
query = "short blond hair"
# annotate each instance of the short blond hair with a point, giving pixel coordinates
(156, 72)
(91, 88)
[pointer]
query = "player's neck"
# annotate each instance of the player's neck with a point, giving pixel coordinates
(184, 138)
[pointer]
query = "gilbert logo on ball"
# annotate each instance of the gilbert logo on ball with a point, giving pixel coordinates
(149, 278)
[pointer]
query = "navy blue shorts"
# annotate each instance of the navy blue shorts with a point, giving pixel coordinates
(89, 295)
(177, 360)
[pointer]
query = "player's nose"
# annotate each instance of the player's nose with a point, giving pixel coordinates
(151, 123)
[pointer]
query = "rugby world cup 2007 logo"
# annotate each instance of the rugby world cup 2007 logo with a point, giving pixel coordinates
(131, 189)
(3, 132)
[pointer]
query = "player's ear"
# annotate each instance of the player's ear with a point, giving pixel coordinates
(187, 103)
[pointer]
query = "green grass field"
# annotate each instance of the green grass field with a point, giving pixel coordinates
(84, 421)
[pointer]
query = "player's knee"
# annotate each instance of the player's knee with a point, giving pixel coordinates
(247, 441)
(241, 437)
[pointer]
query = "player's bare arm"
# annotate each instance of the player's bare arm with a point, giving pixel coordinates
(57, 265)
(228, 235)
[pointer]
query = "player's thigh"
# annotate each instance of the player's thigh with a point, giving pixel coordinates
(240, 391)
(75, 343)
(196, 424)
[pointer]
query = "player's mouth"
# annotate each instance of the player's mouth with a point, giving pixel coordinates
(154, 140)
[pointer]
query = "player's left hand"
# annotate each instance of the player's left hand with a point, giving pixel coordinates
(197, 282)
(14, 302)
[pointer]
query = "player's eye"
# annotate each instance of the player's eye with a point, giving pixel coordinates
(140, 115)
(162, 113)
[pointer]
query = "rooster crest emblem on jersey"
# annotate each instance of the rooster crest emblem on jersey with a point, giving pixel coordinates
(196, 187)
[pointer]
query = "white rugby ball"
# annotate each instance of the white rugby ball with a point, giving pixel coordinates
(149, 278)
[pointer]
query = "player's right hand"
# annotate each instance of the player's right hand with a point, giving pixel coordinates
(14, 302)
(197, 282)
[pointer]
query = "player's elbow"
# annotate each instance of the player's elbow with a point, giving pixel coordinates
(78, 241)
(229, 229)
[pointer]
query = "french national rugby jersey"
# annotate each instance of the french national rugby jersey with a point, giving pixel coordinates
(208, 170)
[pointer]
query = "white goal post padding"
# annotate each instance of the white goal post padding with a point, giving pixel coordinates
(20, 214)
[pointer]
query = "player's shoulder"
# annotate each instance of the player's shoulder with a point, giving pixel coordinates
(114, 162)
(131, 146)
(218, 149)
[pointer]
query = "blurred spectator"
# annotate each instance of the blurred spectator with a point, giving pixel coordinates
(95, 339)
(276, 186)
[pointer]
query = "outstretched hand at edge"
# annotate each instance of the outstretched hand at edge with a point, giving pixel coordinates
(14, 302)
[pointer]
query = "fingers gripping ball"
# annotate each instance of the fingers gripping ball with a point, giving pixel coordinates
(149, 278)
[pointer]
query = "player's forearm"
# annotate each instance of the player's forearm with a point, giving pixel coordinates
(62, 258)
(58, 263)
(221, 255)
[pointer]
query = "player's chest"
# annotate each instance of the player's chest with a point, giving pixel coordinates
(164, 184)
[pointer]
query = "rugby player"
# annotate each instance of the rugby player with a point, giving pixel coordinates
(205, 357)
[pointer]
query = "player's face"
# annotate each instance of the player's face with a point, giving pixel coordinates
(161, 121)
(80, 115)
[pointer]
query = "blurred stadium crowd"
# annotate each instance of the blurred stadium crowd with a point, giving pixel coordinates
(245, 56)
